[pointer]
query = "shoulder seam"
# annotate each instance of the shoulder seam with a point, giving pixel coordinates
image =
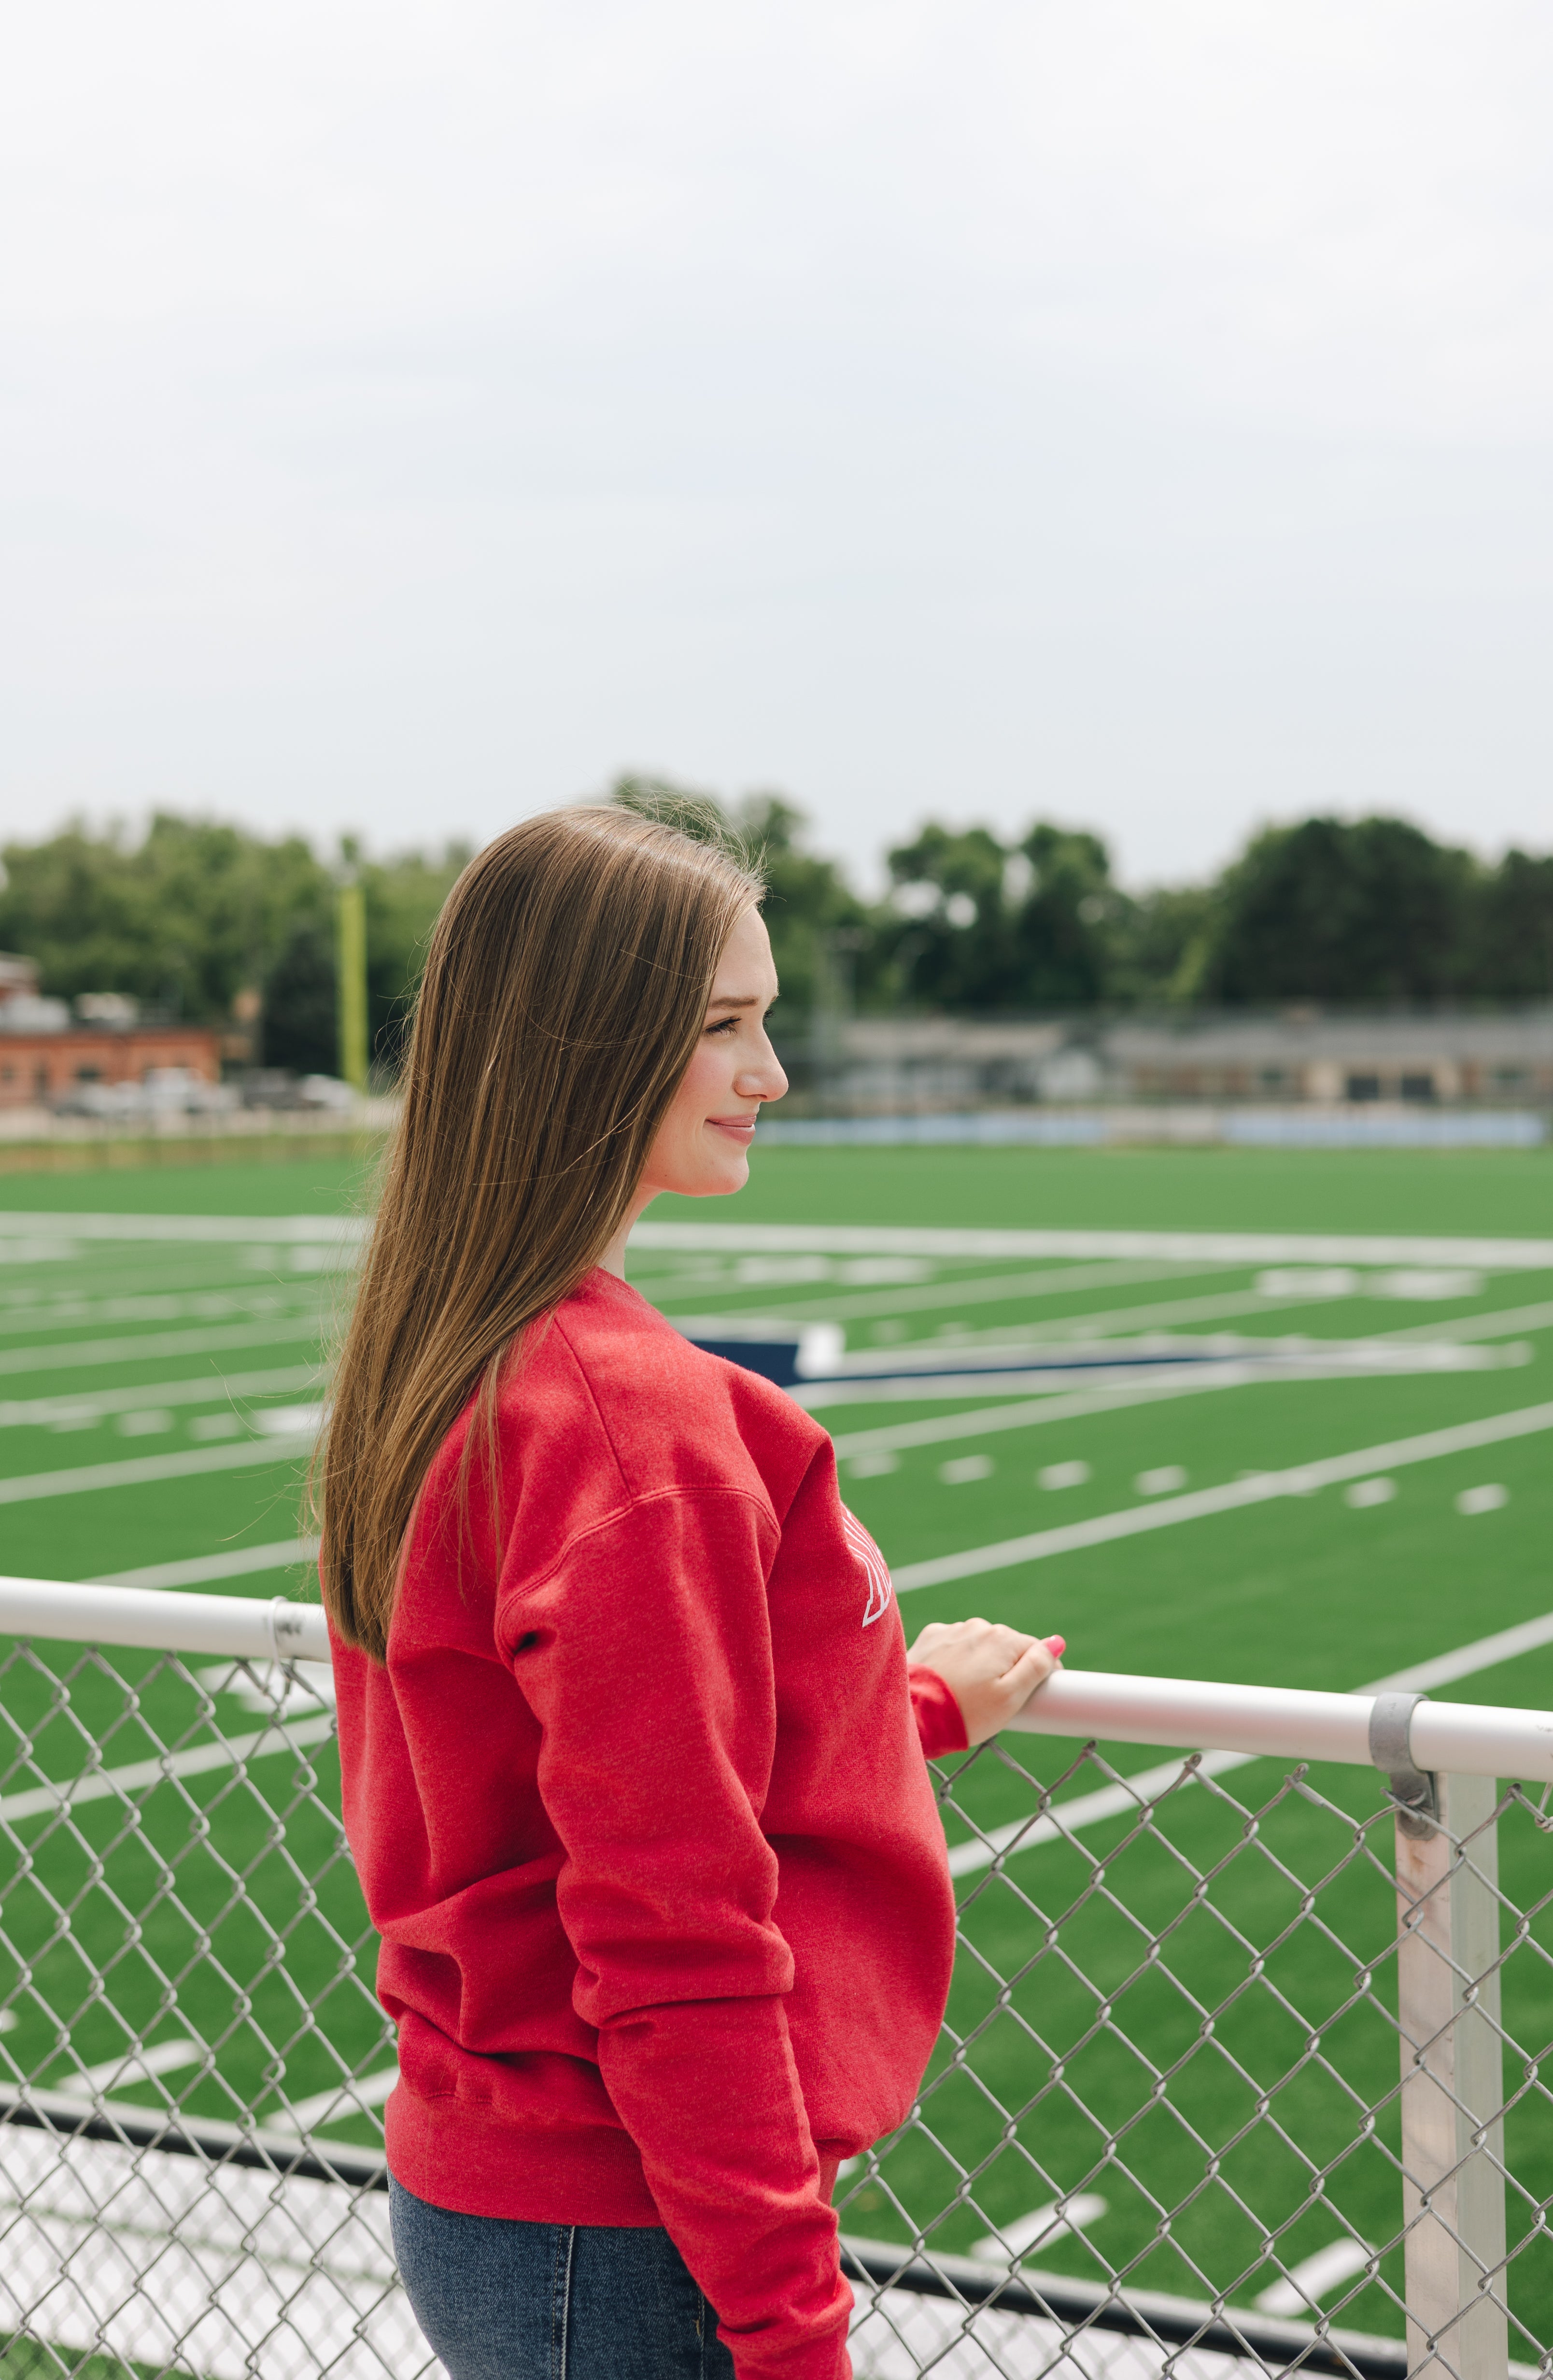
(559, 1325)
(622, 1512)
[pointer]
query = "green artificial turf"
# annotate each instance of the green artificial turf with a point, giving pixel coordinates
(226, 1905)
(1487, 1191)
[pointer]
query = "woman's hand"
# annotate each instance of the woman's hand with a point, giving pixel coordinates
(990, 1670)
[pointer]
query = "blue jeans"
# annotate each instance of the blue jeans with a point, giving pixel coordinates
(505, 2301)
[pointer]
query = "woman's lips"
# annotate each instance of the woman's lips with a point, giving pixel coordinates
(736, 1127)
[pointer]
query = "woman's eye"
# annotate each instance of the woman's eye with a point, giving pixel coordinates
(726, 1026)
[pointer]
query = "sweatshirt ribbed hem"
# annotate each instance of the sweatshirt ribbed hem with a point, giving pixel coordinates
(469, 2162)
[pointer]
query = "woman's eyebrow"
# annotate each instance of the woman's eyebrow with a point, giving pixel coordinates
(735, 1000)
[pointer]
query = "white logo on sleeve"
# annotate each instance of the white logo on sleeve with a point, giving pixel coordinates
(876, 1570)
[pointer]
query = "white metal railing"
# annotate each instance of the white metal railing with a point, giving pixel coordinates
(151, 1896)
(1281, 1722)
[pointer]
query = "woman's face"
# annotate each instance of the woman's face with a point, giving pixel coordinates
(702, 1148)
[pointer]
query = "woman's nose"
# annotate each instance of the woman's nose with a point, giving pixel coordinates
(762, 1078)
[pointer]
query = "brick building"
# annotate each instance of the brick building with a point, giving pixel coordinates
(44, 1056)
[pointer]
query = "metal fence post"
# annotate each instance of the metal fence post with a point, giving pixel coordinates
(1453, 2075)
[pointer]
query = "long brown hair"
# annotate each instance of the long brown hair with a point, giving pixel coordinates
(565, 988)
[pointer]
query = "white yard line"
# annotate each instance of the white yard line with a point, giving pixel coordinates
(279, 1230)
(1170, 1247)
(1483, 1326)
(1120, 1318)
(1234, 1494)
(195, 1760)
(348, 2098)
(140, 1468)
(20, 1413)
(893, 1438)
(85, 1354)
(132, 2065)
(195, 1306)
(1105, 1361)
(288, 1554)
(1312, 2279)
(1066, 1281)
(1041, 2226)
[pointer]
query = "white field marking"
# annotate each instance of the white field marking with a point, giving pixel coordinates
(790, 1272)
(1083, 1810)
(195, 1760)
(348, 1231)
(1285, 1357)
(1313, 2280)
(347, 2098)
(1114, 1801)
(962, 1468)
(262, 1686)
(290, 1421)
(192, 1305)
(1042, 2224)
(1502, 1325)
(142, 1467)
(1490, 1498)
(1344, 1361)
(1483, 1653)
(1108, 1321)
(977, 1290)
(19, 1413)
(1063, 1408)
(1365, 1493)
(1106, 1386)
(1063, 1474)
(86, 1355)
(290, 1553)
(132, 2065)
(1163, 1481)
(906, 1434)
(1235, 1495)
(984, 1347)
(1170, 1247)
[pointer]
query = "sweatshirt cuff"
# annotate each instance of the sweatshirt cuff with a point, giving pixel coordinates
(940, 1723)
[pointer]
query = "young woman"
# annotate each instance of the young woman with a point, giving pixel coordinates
(633, 1756)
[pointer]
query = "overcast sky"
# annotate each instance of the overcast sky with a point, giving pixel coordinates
(413, 413)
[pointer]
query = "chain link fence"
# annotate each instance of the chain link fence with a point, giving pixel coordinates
(1234, 2074)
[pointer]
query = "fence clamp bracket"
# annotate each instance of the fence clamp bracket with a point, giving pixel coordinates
(1412, 1789)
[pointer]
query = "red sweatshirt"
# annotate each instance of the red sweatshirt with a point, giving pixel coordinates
(641, 1812)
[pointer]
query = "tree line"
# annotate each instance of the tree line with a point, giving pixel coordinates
(1370, 913)
(1367, 913)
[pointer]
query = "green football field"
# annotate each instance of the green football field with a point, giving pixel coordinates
(154, 1397)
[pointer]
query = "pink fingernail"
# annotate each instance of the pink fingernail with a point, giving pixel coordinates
(1058, 1645)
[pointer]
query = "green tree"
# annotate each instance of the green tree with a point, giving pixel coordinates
(196, 912)
(1512, 947)
(980, 924)
(1372, 912)
(1160, 943)
(182, 920)
(953, 942)
(1068, 921)
(404, 901)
